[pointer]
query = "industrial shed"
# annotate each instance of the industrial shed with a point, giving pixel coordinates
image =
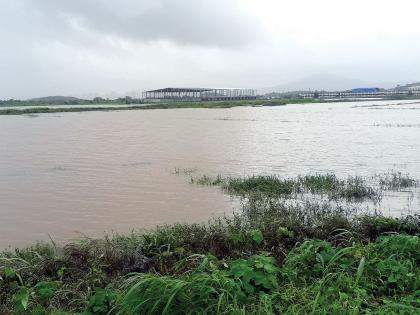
(199, 94)
(365, 90)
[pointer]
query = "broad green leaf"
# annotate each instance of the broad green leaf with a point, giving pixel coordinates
(45, 289)
(257, 236)
(9, 273)
(22, 299)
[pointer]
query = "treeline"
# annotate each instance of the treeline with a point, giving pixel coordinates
(70, 101)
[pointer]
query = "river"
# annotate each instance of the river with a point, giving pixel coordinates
(72, 174)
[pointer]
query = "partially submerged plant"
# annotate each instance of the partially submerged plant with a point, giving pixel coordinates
(396, 181)
(351, 189)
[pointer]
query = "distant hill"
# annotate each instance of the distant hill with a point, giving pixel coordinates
(69, 100)
(413, 84)
(326, 82)
(55, 99)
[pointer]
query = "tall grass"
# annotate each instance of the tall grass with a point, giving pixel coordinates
(315, 277)
(351, 189)
(201, 293)
(396, 181)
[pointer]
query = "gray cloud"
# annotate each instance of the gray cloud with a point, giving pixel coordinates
(94, 47)
(86, 47)
(194, 22)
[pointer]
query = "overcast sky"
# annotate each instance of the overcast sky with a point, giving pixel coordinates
(102, 47)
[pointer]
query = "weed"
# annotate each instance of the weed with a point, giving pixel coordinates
(321, 183)
(199, 293)
(396, 181)
(101, 302)
(351, 189)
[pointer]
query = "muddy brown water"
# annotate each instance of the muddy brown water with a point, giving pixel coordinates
(72, 174)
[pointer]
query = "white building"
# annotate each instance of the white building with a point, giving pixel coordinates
(414, 88)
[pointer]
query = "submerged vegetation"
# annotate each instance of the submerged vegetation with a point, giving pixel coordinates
(275, 256)
(396, 181)
(353, 188)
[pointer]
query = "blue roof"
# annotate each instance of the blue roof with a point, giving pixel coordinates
(365, 90)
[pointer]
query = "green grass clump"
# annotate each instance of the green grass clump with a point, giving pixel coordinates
(375, 225)
(351, 189)
(272, 186)
(200, 293)
(214, 288)
(396, 181)
(207, 180)
(321, 183)
(356, 188)
(266, 185)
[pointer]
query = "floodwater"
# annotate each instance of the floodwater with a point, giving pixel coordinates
(72, 174)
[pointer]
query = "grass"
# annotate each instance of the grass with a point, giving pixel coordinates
(84, 106)
(351, 189)
(42, 110)
(171, 105)
(396, 181)
(275, 256)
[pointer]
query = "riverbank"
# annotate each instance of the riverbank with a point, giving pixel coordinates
(171, 105)
(41, 108)
(275, 256)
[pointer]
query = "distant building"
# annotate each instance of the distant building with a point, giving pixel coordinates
(365, 90)
(414, 88)
(199, 94)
